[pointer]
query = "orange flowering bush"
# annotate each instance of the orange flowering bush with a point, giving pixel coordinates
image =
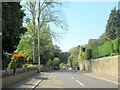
(20, 59)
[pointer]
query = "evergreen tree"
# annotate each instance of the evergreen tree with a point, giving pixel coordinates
(113, 25)
(12, 18)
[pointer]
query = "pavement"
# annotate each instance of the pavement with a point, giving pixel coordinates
(67, 79)
(101, 76)
(31, 81)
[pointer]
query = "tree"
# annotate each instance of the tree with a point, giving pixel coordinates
(50, 62)
(113, 25)
(56, 61)
(40, 15)
(25, 45)
(12, 29)
(57, 50)
(47, 48)
(63, 56)
(112, 29)
(74, 55)
(70, 60)
(12, 18)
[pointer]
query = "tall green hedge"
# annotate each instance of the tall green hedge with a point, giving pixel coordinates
(116, 45)
(95, 53)
(109, 48)
(105, 49)
(88, 54)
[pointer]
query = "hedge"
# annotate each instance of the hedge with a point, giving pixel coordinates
(82, 55)
(88, 54)
(95, 53)
(109, 48)
(105, 49)
(116, 45)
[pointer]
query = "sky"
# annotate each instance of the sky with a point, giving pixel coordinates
(86, 20)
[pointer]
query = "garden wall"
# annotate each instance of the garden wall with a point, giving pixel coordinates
(16, 78)
(46, 68)
(106, 65)
(8, 78)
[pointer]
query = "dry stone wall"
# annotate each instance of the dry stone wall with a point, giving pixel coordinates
(106, 65)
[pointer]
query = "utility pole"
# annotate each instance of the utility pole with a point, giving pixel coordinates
(38, 50)
(39, 38)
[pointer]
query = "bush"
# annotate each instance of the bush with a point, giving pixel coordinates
(70, 60)
(12, 65)
(31, 65)
(61, 65)
(82, 55)
(20, 59)
(49, 62)
(113, 54)
(88, 54)
(56, 61)
(6, 59)
(105, 49)
(109, 48)
(116, 45)
(95, 53)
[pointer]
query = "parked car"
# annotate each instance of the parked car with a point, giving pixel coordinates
(69, 68)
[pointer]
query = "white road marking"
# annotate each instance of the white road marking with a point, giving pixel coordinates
(72, 77)
(77, 81)
(101, 78)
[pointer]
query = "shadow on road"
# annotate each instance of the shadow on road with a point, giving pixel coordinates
(40, 78)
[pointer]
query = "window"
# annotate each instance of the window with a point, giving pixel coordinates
(83, 49)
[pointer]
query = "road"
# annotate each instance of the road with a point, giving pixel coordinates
(67, 79)
(71, 79)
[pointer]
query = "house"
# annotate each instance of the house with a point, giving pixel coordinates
(84, 47)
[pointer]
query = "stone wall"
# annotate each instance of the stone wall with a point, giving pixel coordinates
(46, 68)
(16, 78)
(107, 65)
(6, 81)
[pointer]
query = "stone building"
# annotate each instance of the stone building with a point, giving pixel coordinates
(86, 46)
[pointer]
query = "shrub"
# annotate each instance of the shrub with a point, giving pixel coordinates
(109, 48)
(6, 59)
(95, 53)
(20, 59)
(56, 61)
(113, 54)
(88, 53)
(116, 45)
(82, 60)
(31, 65)
(105, 49)
(49, 62)
(61, 65)
(12, 65)
(82, 55)
(70, 60)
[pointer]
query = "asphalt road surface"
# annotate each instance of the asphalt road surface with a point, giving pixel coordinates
(67, 79)
(71, 79)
